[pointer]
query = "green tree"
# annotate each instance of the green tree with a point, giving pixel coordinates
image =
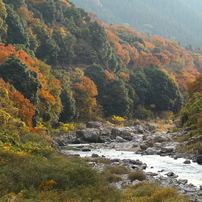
(3, 25)
(68, 102)
(66, 42)
(96, 74)
(140, 84)
(15, 3)
(117, 101)
(24, 80)
(16, 33)
(164, 93)
(48, 49)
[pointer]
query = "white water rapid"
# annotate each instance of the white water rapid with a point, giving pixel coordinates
(155, 163)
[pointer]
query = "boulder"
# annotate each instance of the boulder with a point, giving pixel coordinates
(168, 149)
(143, 146)
(157, 145)
(199, 159)
(89, 135)
(139, 129)
(187, 161)
(122, 132)
(171, 174)
(95, 156)
(120, 139)
(107, 131)
(86, 149)
(182, 181)
(150, 151)
(95, 124)
(160, 138)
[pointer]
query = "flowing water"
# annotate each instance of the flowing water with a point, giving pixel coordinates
(155, 163)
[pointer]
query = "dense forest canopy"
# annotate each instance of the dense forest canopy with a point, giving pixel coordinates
(75, 67)
(176, 20)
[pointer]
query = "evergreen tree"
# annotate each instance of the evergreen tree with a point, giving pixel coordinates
(16, 33)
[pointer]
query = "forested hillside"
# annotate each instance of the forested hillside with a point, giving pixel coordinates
(61, 67)
(76, 68)
(176, 20)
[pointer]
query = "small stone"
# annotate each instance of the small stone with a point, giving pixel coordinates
(187, 162)
(171, 174)
(161, 171)
(182, 181)
(86, 149)
(95, 156)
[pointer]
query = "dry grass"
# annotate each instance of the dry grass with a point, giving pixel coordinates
(162, 125)
(136, 175)
(152, 192)
(119, 170)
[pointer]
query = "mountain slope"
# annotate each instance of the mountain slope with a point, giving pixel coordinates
(174, 19)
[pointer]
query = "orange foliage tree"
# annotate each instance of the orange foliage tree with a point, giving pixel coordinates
(109, 77)
(50, 91)
(125, 77)
(85, 92)
(26, 110)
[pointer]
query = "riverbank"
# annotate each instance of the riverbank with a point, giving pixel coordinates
(101, 156)
(142, 140)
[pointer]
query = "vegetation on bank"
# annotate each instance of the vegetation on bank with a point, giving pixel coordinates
(31, 170)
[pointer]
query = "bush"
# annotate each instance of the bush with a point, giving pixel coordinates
(111, 177)
(152, 192)
(118, 170)
(66, 175)
(137, 175)
(117, 119)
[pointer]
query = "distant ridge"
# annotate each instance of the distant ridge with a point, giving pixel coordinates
(179, 20)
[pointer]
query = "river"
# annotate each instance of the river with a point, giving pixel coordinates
(155, 163)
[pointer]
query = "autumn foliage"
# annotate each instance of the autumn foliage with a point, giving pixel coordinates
(85, 92)
(26, 110)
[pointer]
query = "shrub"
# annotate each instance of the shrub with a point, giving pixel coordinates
(118, 170)
(117, 119)
(143, 114)
(111, 177)
(152, 192)
(136, 175)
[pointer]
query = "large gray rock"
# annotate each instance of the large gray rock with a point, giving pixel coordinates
(122, 132)
(150, 151)
(160, 138)
(89, 135)
(94, 124)
(107, 131)
(199, 159)
(168, 149)
(120, 139)
(139, 129)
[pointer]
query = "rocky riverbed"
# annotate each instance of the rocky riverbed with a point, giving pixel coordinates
(142, 138)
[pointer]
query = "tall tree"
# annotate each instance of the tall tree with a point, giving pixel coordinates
(16, 34)
(3, 25)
